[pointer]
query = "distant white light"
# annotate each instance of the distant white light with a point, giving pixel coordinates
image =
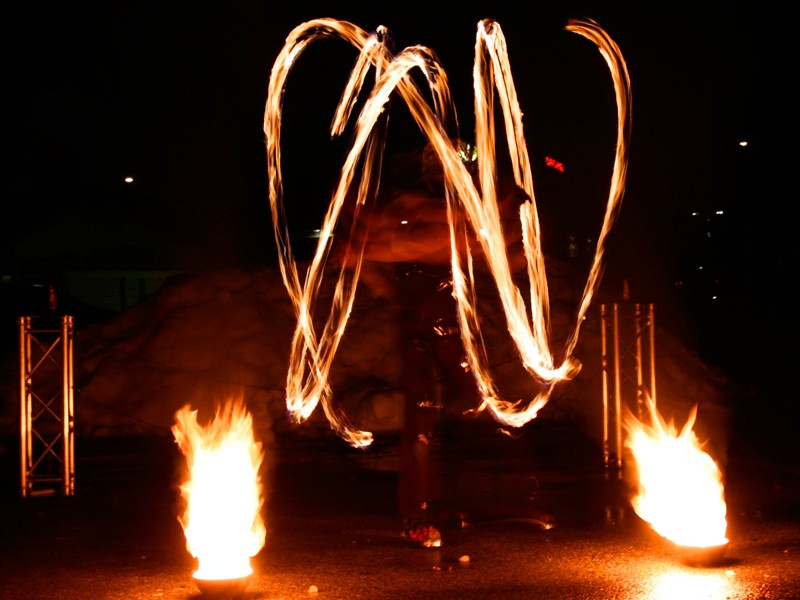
(695, 213)
(720, 212)
(743, 143)
(128, 179)
(403, 222)
(317, 234)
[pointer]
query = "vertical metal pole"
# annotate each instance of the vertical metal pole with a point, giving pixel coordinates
(25, 451)
(68, 422)
(640, 393)
(617, 392)
(653, 353)
(604, 362)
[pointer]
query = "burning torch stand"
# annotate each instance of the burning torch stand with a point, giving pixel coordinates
(47, 429)
(628, 364)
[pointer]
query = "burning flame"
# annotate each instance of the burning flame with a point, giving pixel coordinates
(680, 490)
(472, 210)
(222, 518)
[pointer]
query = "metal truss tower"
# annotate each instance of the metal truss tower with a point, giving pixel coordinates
(629, 370)
(47, 428)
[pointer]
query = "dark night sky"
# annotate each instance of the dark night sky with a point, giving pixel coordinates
(173, 94)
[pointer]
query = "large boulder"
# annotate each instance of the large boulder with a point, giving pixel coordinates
(207, 336)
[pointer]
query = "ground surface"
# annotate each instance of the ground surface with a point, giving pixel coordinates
(333, 524)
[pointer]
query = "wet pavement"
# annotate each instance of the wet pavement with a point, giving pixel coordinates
(544, 521)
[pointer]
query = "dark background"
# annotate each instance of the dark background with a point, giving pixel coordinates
(173, 95)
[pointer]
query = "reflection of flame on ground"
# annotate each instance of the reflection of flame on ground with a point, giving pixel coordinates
(706, 585)
(223, 496)
(680, 490)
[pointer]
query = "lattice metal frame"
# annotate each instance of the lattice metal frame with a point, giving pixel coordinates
(47, 427)
(629, 370)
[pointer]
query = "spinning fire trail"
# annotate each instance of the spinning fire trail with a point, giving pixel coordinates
(472, 212)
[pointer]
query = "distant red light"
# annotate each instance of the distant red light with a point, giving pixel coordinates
(554, 164)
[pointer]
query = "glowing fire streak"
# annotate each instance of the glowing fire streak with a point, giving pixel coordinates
(222, 520)
(680, 486)
(467, 209)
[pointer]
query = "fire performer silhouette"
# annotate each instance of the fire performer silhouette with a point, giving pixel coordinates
(475, 216)
(407, 260)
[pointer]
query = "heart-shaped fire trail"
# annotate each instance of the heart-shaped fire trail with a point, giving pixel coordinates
(472, 210)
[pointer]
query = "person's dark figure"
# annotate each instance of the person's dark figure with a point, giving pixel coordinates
(432, 354)
(407, 260)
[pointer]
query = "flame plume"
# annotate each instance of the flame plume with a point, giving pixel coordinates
(680, 491)
(471, 211)
(222, 520)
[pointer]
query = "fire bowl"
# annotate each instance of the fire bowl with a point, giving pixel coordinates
(223, 588)
(707, 556)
